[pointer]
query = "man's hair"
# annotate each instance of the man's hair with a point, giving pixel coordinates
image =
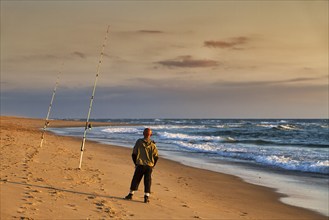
(147, 131)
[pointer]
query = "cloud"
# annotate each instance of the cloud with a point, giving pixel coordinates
(300, 79)
(45, 57)
(34, 57)
(231, 43)
(150, 32)
(79, 54)
(188, 62)
(4, 83)
(266, 83)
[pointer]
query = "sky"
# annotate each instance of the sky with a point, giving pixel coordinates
(165, 59)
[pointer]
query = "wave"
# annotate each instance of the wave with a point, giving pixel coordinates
(122, 130)
(275, 161)
(201, 134)
(170, 127)
(229, 139)
(291, 164)
(278, 144)
(186, 137)
(232, 125)
(285, 127)
(258, 142)
(289, 144)
(167, 136)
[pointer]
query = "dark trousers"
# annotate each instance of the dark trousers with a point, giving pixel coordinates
(141, 171)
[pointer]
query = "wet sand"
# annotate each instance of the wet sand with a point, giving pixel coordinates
(44, 183)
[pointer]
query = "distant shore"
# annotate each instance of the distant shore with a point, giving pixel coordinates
(44, 182)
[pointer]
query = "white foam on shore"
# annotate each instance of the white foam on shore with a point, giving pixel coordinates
(301, 191)
(121, 130)
(185, 137)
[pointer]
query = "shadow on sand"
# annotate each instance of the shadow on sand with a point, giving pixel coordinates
(67, 190)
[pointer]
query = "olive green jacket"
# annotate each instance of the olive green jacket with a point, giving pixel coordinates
(145, 152)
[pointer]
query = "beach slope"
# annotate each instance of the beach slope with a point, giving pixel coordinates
(44, 183)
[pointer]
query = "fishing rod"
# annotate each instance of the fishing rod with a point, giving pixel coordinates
(49, 108)
(88, 125)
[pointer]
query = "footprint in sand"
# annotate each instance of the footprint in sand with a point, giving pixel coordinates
(28, 195)
(107, 210)
(102, 207)
(20, 210)
(56, 194)
(99, 204)
(73, 206)
(243, 213)
(39, 180)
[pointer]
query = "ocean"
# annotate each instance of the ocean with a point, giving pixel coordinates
(289, 155)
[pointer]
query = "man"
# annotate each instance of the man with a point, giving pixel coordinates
(145, 156)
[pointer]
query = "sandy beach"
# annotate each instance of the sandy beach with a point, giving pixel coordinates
(44, 183)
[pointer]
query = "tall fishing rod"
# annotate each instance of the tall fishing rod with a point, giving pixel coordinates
(92, 97)
(49, 108)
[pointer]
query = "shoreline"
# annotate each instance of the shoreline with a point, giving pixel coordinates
(305, 190)
(287, 183)
(97, 190)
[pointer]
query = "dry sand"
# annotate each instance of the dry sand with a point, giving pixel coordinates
(44, 183)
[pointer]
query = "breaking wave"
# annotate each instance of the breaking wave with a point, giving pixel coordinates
(298, 145)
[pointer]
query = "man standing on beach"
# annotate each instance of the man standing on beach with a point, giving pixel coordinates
(145, 156)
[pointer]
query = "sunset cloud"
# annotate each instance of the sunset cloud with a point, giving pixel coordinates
(150, 32)
(267, 83)
(79, 54)
(188, 62)
(35, 57)
(230, 43)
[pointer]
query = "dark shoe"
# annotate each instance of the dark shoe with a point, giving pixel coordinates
(129, 196)
(146, 199)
